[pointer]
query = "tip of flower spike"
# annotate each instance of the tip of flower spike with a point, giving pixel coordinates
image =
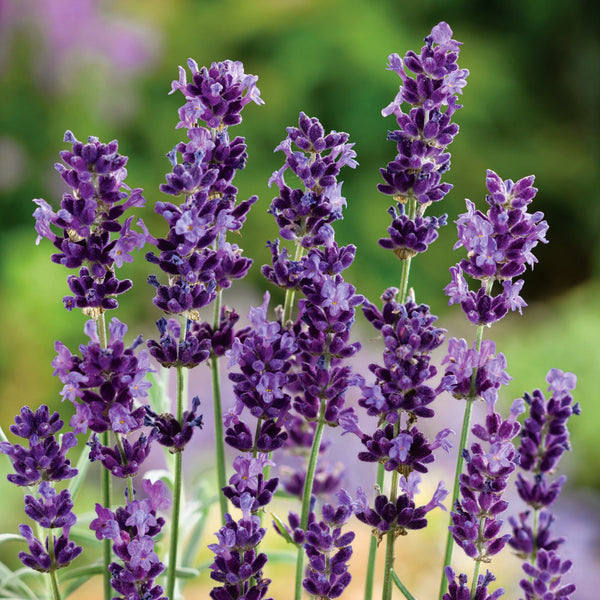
(69, 137)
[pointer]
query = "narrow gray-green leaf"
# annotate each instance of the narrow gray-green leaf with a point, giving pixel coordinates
(282, 530)
(87, 572)
(82, 466)
(11, 537)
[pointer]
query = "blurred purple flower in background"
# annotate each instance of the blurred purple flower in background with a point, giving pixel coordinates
(72, 34)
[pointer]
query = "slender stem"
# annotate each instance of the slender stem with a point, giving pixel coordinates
(307, 493)
(475, 578)
(177, 480)
(370, 576)
(460, 460)
(390, 538)
(534, 534)
(288, 304)
(55, 589)
(105, 481)
(52, 572)
(218, 416)
(401, 586)
(129, 480)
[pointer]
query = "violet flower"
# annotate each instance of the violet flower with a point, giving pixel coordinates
(89, 219)
(104, 385)
(475, 517)
(545, 578)
(402, 514)
(460, 590)
(43, 462)
(401, 393)
(45, 458)
(264, 361)
(237, 565)
(544, 438)
(132, 530)
(499, 246)
(328, 550)
(195, 254)
(413, 178)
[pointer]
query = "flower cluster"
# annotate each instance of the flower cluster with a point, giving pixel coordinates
(264, 360)
(328, 549)
(402, 514)
(472, 373)
(317, 161)
(400, 395)
(544, 438)
(237, 565)
(104, 384)
(499, 245)
(475, 519)
(195, 254)
(461, 591)
(132, 530)
(89, 218)
(413, 178)
(43, 462)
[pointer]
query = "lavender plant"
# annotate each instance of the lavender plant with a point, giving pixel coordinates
(290, 371)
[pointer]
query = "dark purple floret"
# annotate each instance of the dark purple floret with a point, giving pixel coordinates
(410, 237)
(475, 517)
(328, 550)
(169, 432)
(249, 479)
(545, 436)
(460, 590)
(38, 558)
(216, 94)
(44, 459)
(545, 578)
(522, 540)
(125, 464)
(132, 529)
(237, 565)
(89, 220)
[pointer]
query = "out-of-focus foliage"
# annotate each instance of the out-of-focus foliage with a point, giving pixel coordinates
(104, 68)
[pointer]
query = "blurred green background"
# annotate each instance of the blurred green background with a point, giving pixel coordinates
(104, 68)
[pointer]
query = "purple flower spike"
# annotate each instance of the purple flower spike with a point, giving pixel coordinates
(89, 220)
(499, 246)
(460, 590)
(45, 459)
(132, 529)
(317, 161)
(328, 550)
(216, 94)
(169, 432)
(545, 578)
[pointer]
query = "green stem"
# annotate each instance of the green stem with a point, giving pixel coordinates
(307, 493)
(177, 480)
(474, 580)
(218, 416)
(52, 572)
(129, 480)
(534, 533)
(460, 461)
(288, 304)
(55, 589)
(370, 576)
(390, 538)
(401, 586)
(105, 480)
